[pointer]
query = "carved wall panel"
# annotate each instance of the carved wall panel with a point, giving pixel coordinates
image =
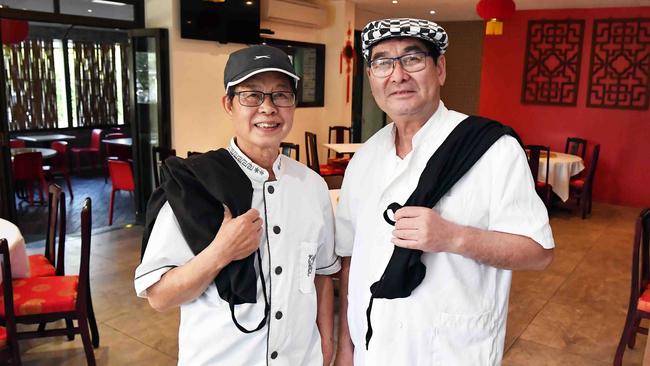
(552, 62)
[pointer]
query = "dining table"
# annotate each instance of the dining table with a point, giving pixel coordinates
(349, 148)
(123, 141)
(17, 249)
(561, 168)
(47, 153)
(45, 139)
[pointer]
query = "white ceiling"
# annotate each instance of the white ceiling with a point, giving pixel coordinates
(454, 10)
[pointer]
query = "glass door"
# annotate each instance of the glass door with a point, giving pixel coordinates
(151, 124)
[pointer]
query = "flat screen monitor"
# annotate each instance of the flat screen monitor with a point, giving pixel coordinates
(223, 21)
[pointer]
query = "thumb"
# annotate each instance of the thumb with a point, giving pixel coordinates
(227, 215)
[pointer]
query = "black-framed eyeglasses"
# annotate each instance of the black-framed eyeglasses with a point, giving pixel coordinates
(255, 98)
(411, 62)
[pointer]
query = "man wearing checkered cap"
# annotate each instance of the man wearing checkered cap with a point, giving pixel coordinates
(424, 286)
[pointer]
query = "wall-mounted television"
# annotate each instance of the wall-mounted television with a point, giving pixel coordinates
(223, 21)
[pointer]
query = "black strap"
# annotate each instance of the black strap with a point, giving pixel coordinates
(267, 306)
(369, 331)
(392, 207)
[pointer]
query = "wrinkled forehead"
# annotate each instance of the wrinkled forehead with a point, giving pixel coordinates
(397, 46)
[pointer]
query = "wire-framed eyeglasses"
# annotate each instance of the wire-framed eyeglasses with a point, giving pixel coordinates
(411, 62)
(255, 98)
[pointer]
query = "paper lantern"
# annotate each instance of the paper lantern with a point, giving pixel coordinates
(494, 11)
(14, 31)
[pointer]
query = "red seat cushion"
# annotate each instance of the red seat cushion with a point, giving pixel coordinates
(40, 295)
(3, 336)
(341, 162)
(326, 169)
(40, 266)
(539, 184)
(577, 183)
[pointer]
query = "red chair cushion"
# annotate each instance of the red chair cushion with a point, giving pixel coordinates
(644, 301)
(540, 184)
(342, 162)
(326, 169)
(3, 336)
(577, 183)
(40, 266)
(41, 295)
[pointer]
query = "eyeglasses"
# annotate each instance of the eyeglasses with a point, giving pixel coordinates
(411, 62)
(255, 98)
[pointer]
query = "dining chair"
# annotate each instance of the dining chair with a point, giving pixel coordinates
(51, 262)
(535, 153)
(158, 156)
(121, 180)
(48, 299)
(286, 148)
(115, 152)
(575, 146)
(339, 133)
(639, 304)
(93, 150)
(311, 148)
(16, 143)
(581, 187)
(9, 350)
(28, 168)
(58, 164)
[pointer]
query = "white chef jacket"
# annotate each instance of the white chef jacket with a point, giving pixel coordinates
(299, 227)
(457, 315)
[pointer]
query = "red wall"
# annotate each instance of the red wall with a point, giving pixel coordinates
(623, 174)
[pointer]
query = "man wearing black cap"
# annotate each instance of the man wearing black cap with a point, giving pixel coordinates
(424, 286)
(242, 238)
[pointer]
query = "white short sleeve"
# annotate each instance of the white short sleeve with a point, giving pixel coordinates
(344, 228)
(327, 262)
(166, 249)
(515, 207)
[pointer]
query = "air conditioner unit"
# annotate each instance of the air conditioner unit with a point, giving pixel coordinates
(294, 12)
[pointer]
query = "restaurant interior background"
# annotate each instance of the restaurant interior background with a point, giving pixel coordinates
(179, 105)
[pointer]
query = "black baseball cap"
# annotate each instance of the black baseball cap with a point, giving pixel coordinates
(244, 63)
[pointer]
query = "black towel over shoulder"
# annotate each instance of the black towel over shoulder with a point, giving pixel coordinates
(196, 189)
(458, 153)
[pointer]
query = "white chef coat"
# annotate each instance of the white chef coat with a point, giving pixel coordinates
(298, 223)
(457, 315)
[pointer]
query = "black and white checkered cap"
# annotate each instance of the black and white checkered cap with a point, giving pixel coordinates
(380, 30)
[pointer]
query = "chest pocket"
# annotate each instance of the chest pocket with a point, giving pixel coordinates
(307, 266)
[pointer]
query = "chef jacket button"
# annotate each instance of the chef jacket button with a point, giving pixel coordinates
(278, 315)
(276, 229)
(270, 189)
(278, 270)
(274, 355)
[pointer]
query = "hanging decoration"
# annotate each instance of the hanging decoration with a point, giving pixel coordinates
(494, 11)
(14, 31)
(349, 55)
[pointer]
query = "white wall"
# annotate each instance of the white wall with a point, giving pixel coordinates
(198, 120)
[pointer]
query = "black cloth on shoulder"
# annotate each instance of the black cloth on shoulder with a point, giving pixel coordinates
(458, 153)
(196, 189)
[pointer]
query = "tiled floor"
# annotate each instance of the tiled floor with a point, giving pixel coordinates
(571, 314)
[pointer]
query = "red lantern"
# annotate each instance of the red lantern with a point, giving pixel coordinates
(14, 31)
(494, 11)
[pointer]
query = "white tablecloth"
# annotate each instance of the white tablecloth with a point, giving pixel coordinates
(17, 250)
(561, 168)
(344, 148)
